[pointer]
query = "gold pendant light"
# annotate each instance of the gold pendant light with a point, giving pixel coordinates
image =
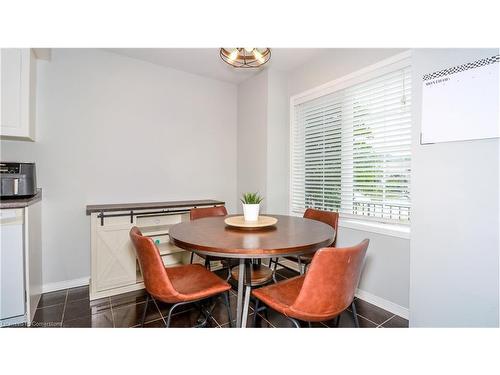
(245, 57)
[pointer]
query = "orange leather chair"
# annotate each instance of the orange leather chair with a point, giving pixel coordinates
(327, 217)
(199, 213)
(324, 292)
(176, 285)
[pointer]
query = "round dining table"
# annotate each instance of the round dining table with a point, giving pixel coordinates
(210, 236)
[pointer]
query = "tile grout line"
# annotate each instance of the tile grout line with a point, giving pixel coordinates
(262, 317)
(112, 314)
(158, 308)
(364, 317)
(386, 321)
(216, 322)
(64, 308)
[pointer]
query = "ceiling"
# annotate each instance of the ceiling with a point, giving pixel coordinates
(206, 61)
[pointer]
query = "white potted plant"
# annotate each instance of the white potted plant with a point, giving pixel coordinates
(251, 206)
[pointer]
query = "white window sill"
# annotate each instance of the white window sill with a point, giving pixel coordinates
(394, 230)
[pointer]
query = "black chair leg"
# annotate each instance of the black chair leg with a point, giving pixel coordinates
(192, 258)
(255, 312)
(275, 264)
(228, 307)
(337, 321)
(354, 315)
(145, 310)
(274, 268)
(169, 317)
(294, 321)
(207, 263)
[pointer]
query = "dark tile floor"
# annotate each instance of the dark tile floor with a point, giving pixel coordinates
(72, 308)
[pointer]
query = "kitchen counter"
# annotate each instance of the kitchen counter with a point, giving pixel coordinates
(20, 202)
(150, 205)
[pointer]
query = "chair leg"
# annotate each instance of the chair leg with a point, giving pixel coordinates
(306, 265)
(205, 313)
(274, 268)
(192, 258)
(145, 310)
(169, 317)
(309, 324)
(294, 321)
(299, 262)
(228, 272)
(266, 315)
(337, 321)
(354, 315)
(275, 264)
(228, 307)
(207, 263)
(256, 310)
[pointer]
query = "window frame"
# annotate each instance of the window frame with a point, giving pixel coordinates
(399, 61)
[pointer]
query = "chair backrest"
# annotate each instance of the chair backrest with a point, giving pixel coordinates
(198, 213)
(153, 270)
(327, 217)
(331, 280)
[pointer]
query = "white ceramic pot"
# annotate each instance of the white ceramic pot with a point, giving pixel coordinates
(251, 211)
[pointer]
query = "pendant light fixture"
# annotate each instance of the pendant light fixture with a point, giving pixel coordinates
(245, 57)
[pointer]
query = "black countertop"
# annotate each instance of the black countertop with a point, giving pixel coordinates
(11, 203)
(150, 205)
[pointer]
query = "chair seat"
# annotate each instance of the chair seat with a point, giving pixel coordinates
(227, 261)
(193, 282)
(282, 295)
(304, 258)
(260, 274)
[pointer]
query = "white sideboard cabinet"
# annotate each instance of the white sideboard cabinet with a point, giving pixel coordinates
(17, 93)
(114, 268)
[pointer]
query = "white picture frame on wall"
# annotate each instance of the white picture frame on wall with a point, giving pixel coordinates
(461, 103)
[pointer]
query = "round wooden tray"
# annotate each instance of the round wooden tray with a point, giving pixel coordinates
(239, 222)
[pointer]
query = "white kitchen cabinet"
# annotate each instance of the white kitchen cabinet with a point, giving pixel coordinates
(17, 93)
(20, 259)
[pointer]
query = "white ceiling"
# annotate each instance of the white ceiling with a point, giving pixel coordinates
(207, 62)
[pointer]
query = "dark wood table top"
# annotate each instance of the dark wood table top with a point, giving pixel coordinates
(290, 236)
(149, 205)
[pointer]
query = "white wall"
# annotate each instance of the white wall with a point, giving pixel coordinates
(263, 139)
(333, 64)
(252, 137)
(277, 142)
(455, 217)
(114, 129)
(385, 278)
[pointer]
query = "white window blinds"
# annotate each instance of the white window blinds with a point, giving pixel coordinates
(351, 149)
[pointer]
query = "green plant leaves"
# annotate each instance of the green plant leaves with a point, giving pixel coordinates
(251, 198)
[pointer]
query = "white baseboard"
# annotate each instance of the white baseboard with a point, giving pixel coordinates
(383, 303)
(60, 285)
(366, 296)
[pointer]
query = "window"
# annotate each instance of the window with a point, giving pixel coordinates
(350, 147)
